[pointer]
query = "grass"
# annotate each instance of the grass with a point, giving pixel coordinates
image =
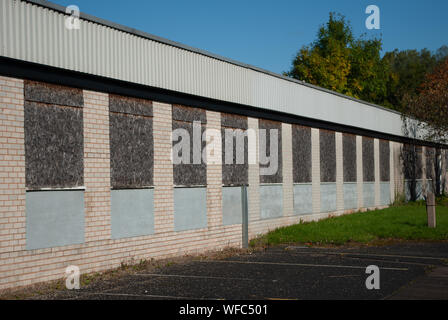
(404, 222)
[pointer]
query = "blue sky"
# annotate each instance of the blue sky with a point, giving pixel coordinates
(267, 34)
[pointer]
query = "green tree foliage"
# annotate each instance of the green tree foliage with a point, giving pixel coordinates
(369, 74)
(326, 62)
(339, 62)
(353, 66)
(430, 105)
(409, 68)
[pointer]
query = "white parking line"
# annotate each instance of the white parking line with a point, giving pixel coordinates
(362, 257)
(371, 255)
(297, 264)
(145, 296)
(389, 261)
(191, 276)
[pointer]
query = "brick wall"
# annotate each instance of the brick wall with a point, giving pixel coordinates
(339, 173)
(359, 172)
(163, 169)
(288, 188)
(254, 179)
(20, 267)
(96, 166)
(376, 150)
(315, 169)
(12, 166)
(214, 171)
(392, 171)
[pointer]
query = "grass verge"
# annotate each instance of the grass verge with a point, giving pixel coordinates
(408, 222)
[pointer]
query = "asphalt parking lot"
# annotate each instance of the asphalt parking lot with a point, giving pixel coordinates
(288, 272)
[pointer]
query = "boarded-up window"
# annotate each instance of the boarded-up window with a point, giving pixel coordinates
(368, 160)
(270, 151)
(349, 156)
(430, 162)
(191, 122)
(53, 136)
(327, 156)
(235, 163)
(131, 142)
(301, 154)
(384, 160)
(412, 161)
(446, 160)
(53, 94)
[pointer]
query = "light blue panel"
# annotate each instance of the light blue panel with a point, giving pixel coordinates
(328, 197)
(385, 193)
(54, 219)
(232, 211)
(350, 196)
(368, 190)
(271, 201)
(418, 187)
(132, 213)
(190, 208)
(303, 200)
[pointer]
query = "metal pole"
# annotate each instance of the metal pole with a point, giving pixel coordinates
(245, 222)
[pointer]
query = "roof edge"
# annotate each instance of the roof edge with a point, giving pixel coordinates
(149, 36)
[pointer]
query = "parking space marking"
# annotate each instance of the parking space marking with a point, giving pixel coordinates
(372, 254)
(192, 276)
(145, 296)
(361, 257)
(299, 264)
(391, 261)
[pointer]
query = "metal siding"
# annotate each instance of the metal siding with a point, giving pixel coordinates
(101, 50)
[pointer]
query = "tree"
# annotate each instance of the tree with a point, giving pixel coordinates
(326, 62)
(339, 62)
(408, 68)
(369, 74)
(430, 105)
(441, 53)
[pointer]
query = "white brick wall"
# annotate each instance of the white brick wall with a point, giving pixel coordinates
(12, 166)
(214, 174)
(20, 267)
(339, 173)
(359, 172)
(288, 188)
(315, 169)
(376, 156)
(163, 169)
(391, 171)
(254, 180)
(96, 166)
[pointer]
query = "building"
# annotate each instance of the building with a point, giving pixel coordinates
(86, 176)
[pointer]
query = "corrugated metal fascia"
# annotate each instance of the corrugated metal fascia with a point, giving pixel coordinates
(56, 7)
